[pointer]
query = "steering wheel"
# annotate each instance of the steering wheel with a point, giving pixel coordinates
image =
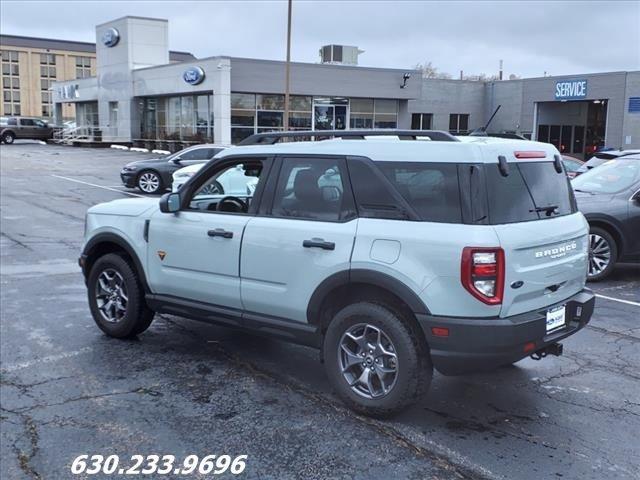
(241, 205)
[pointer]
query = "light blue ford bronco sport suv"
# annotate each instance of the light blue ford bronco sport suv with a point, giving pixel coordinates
(393, 252)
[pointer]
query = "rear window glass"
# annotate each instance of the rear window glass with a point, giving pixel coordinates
(531, 191)
(430, 188)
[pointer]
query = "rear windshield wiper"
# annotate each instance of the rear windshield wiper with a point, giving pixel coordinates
(549, 209)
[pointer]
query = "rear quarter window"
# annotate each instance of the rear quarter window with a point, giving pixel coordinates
(431, 189)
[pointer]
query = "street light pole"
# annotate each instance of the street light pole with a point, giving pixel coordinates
(287, 70)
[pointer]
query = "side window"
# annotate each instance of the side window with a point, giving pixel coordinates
(197, 154)
(12, 121)
(238, 180)
(430, 188)
(374, 196)
(312, 189)
(26, 122)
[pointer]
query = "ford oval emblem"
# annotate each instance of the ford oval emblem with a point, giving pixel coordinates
(193, 75)
(110, 37)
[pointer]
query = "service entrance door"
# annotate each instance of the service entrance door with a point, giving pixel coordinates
(330, 113)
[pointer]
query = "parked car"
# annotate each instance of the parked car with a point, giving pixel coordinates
(233, 182)
(389, 256)
(609, 197)
(600, 157)
(571, 165)
(155, 175)
(14, 128)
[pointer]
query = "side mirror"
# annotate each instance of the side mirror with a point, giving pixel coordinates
(636, 197)
(170, 203)
(176, 160)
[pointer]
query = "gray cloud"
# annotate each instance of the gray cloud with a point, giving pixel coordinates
(562, 37)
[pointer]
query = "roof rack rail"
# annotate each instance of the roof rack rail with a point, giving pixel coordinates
(271, 138)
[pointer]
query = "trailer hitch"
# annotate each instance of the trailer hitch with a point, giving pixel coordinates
(553, 349)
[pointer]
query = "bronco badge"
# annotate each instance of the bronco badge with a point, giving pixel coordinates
(162, 254)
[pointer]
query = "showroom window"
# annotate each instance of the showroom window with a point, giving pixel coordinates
(361, 113)
(186, 118)
(385, 113)
(459, 123)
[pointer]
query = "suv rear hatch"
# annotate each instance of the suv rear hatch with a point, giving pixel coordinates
(544, 237)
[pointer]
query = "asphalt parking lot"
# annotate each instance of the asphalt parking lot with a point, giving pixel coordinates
(189, 388)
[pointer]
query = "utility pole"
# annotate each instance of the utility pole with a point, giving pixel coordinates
(287, 71)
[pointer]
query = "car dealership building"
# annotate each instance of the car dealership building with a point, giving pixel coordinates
(139, 97)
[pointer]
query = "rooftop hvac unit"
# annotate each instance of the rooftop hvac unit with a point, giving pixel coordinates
(340, 54)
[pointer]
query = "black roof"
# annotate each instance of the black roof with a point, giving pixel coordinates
(71, 45)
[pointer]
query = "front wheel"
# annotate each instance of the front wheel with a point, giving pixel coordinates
(8, 138)
(116, 298)
(603, 252)
(375, 360)
(149, 182)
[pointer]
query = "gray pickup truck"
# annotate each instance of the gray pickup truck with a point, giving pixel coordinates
(12, 128)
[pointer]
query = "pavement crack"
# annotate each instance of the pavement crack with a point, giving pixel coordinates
(25, 456)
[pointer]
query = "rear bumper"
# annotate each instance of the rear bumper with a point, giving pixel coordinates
(477, 344)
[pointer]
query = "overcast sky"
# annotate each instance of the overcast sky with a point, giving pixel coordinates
(562, 37)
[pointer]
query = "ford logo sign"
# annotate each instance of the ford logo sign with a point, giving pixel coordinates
(193, 75)
(110, 37)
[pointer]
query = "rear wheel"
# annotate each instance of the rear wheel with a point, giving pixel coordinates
(603, 252)
(149, 181)
(375, 360)
(116, 298)
(8, 138)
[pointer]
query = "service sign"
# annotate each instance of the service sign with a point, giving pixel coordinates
(571, 90)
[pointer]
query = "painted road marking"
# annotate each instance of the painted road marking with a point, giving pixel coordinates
(49, 359)
(628, 302)
(97, 186)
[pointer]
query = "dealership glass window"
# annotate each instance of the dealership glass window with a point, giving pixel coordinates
(565, 138)
(459, 123)
(361, 113)
(543, 133)
(385, 113)
(578, 139)
(178, 118)
(554, 136)
(421, 121)
(300, 112)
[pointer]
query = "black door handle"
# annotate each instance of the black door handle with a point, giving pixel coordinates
(319, 243)
(219, 232)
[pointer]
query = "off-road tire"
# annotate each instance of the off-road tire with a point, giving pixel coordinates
(138, 316)
(414, 367)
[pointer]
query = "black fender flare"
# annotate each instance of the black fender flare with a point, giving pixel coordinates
(364, 276)
(108, 237)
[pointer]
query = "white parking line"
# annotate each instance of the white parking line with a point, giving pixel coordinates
(97, 186)
(49, 359)
(628, 302)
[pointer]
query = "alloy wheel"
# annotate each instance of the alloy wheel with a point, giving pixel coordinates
(111, 295)
(599, 254)
(149, 182)
(368, 361)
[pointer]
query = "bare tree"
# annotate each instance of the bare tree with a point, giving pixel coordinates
(429, 71)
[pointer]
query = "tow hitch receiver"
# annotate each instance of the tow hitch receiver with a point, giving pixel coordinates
(553, 349)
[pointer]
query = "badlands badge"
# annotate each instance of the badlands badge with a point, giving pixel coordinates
(162, 254)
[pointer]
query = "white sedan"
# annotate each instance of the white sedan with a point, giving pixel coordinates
(231, 182)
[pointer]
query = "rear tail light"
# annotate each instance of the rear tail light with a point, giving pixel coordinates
(482, 273)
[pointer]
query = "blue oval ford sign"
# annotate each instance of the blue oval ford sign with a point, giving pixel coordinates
(193, 75)
(110, 37)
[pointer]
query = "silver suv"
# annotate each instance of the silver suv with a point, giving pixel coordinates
(391, 252)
